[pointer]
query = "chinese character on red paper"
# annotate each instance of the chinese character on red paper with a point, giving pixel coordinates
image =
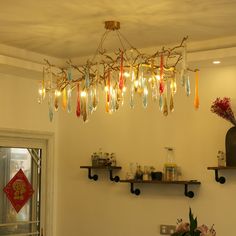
(18, 190)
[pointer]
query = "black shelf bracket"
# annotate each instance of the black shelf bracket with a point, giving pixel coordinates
(90, 176)
(187, 193)
(114, 179)
(220, 179)
(133, 190)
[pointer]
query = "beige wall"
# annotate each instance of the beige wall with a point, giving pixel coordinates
(103, 208)
(19, 106)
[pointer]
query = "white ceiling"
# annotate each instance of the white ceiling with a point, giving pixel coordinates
(73, 28)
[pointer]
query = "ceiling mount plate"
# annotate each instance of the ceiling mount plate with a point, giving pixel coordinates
(112, 25)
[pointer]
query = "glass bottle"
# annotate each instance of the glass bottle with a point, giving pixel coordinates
(170, 167)
(139, 173)
(221, 159)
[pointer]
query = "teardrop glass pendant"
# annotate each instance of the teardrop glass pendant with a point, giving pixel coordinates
(161, 82)
(78, 108)
(165, 106)
(95, 99)
(84, 105)
(50, 107)
(87, 77)
(145, 97)
(173, 85)
(132, 97)
(68, 105)
(183, 77)
(90, 101)
(112, 104)
(171, 102)
(188, 90)
(69, 74)
(107, 107)
(64, 99)
(196, 98)
(121, 76)
(85, 115)
(56, 103)
(161, 102)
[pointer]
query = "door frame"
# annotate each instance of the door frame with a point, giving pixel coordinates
(44, 140)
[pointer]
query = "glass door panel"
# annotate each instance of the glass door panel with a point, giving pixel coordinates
(27, 220)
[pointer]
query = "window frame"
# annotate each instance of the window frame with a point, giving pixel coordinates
(44, 141)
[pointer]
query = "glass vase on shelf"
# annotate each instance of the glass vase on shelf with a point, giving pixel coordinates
(131, 172)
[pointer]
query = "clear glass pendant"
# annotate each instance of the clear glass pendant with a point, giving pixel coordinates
(184, 73)
(90, 101)
(56, 99)
(113, 100)
(68, 105)
(84, 105)
(187, 86)
(165, 105)
(41, 92)
(145, 97)
(154, 92)
(183, 77)
(161, 102)
(171, 102)
(87, 77)
(132, 96)
(69, 74)
(95, 98)
(50, 107)
(121, 76)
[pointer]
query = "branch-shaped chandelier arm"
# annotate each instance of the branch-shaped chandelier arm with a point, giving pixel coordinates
(126, 40)
(100, 45)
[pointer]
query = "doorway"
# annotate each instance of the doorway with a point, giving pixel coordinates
(31, 156)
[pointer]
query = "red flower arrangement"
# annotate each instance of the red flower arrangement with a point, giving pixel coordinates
(222, 108)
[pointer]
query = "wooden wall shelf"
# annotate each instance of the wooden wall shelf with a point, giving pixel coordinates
(221, 179)
(186, 183)
(107, 168)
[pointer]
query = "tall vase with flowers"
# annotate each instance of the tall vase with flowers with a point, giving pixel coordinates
(191, 228)
(222, 107)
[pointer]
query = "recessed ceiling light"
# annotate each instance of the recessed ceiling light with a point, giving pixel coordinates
(216, 62)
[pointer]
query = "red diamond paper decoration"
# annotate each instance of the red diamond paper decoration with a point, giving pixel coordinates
(18, 190)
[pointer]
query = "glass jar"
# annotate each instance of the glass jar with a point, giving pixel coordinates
(171, 173)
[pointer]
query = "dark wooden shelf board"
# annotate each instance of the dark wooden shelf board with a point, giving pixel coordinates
(161, 182)
(222, 168)
(102, 167)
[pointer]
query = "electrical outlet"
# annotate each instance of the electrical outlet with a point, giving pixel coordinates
(167, 229)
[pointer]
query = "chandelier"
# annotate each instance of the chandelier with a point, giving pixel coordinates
(127, 73)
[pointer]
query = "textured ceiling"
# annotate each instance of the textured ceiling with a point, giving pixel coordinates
(73, 28)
